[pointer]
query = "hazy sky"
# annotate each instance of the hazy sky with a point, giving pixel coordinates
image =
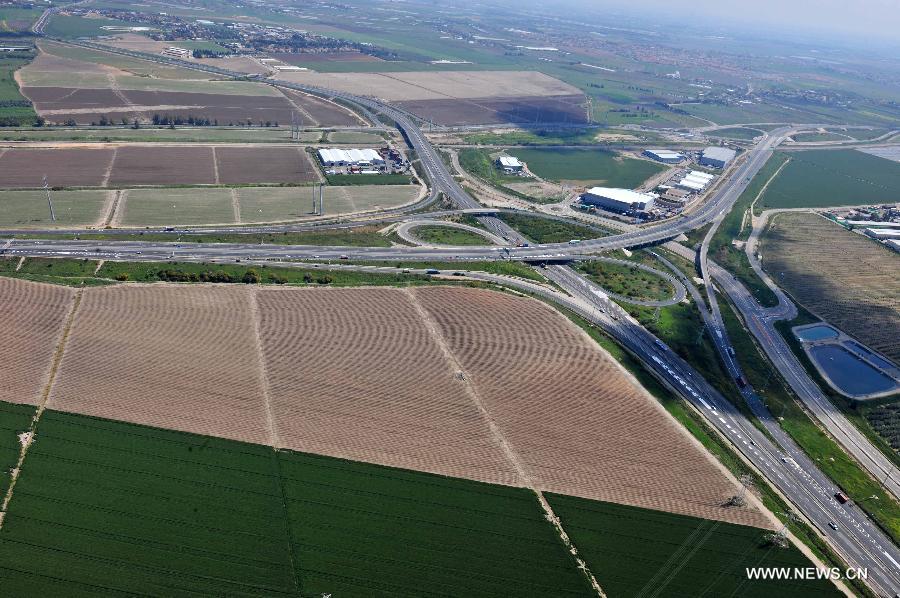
(853, 18)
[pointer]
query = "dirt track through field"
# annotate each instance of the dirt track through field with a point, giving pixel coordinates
(236, 205)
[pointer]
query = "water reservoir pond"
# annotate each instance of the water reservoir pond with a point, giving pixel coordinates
(816, 333)
(848, 372)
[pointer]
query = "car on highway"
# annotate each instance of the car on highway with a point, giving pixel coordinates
(833, 525)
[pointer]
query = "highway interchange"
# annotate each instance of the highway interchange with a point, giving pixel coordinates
(784, 465)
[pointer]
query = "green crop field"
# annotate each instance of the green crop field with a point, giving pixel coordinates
(821, 178)
(633, 551)
(156, 207)
(341, 180)
(14, 419)
(16, 20)
(600, 167)
(30, 208)
(445, 235)
(545, 230)
(272, 204)
(736, 133)
(354, 137)
(105, 507)
(15, 109)
(817, 136)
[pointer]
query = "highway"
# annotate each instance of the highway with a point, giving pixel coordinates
(858, 541)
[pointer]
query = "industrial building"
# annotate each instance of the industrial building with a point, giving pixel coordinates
(351, 157)
(664, 156)
(717, 157)
(883, 234)
(695, 181)
(618, 200)
(510, 164)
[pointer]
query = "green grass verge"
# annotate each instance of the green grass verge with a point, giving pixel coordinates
(445, 235)
(15, 109)
(369, 179)
(736, 226)
(745, 133)
(546, 230)
(628, 281)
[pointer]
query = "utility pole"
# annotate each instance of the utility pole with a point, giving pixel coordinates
(321, 200)
(315, 191)
(49, 199)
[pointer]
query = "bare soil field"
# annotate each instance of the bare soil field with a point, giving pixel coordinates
(178, 357)
(154, 164)
(264, 165)
(162, 165)
(579, 424)
(523, 109)
(32, 320)
(844, 278)
(322, 112)
(381, 393)
(74, 167)
(430, 85)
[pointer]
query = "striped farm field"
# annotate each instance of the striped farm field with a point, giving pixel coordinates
(31, 321)
(110, 508)
(14, 419)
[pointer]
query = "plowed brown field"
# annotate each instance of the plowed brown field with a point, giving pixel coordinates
(354, 374)
(179, 357)
(580, 426)
(31, 323)
(461, 382)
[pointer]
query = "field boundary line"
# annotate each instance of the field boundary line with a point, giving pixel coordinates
(431, 327)
(109, 207)
(299, 108)
(21, 263)
(236, 205)
(215, 163)
(109, 169)
(99, 265)
(115, 218)
(27, 438)
(271, 426)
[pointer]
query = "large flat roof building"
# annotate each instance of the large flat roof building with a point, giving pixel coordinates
(664, 156)
(618, 200)
(883, 233)
(351, 157)
(510, 163)
(717, 157)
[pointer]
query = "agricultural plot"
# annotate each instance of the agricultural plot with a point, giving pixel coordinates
(568, 109)
(846, 279)
(168, 367)
(264, 164)
(587, 166)
(71, 208)
(822, 178)
(172, 207)
(228, 518)
(273, 204)
(320, 112)
(578, 425)
(14, 420)
(389, 398)
(633, 551)
(108, 508)
(744, 133)
(65, 167)
(354, 137)
(172, 165)
(32, 321)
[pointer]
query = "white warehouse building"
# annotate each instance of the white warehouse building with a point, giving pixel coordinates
(883, 234)
(351, 157)
(510, 164)
(618, 200)
(717, 157)
(664, 156)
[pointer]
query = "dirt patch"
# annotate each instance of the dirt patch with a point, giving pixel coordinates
(238, 165)
(77, 167)
(149, 165)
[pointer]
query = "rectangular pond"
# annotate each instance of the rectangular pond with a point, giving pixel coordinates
(850, 374)
(819, 332)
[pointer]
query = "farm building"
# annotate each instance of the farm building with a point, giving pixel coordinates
(717, 157)
(664, 156)
(174, 52)
(510, 164)
(351, 157)
(883, 233)
(618, 200)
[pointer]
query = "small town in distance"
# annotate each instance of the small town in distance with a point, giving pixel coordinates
(567, 299)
